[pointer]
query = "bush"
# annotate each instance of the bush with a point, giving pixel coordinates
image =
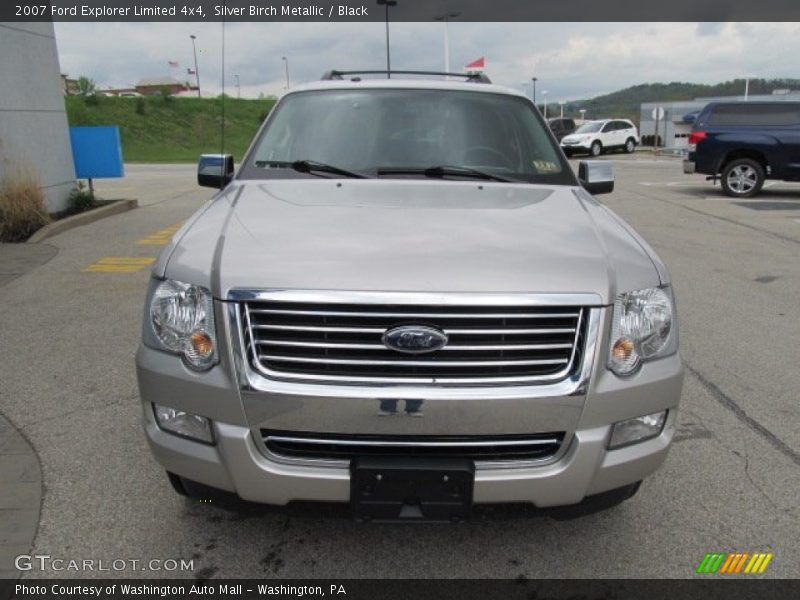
(141, 106)
(81, 198)
(22, 207)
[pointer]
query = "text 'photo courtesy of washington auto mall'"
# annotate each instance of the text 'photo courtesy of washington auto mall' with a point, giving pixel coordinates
(399, 299)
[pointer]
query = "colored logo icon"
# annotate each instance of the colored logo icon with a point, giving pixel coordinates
(735, 563)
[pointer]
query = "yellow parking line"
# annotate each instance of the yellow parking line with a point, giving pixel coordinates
(119, 264)
(160, 238)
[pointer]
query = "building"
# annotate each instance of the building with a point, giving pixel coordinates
(69, 86)
(154, 86)
(34, 134)
(674, 128)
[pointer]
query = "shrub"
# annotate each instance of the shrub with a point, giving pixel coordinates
(22, 207)
(141, 106)
(81, 198)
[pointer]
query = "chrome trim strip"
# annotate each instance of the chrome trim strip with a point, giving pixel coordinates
(558, 384)
(325, 313)
(448, 331)
(449, 347)
(440, 299)
(413, 363)
(411, 444)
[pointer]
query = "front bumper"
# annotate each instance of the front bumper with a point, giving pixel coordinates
(239, 463)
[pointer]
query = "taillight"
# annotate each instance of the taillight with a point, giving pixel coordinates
(695, 137)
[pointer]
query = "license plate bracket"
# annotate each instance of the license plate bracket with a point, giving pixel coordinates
(411, 489)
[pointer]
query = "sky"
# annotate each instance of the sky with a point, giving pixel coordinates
(570, 60)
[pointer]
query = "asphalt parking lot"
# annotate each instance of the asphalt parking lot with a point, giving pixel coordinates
(70, 329)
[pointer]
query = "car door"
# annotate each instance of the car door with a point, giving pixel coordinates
(608, 135)
(790, 139)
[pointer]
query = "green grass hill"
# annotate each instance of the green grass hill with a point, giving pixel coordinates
(167, 129)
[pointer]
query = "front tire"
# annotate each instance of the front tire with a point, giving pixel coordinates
(630, 146)
(743, 178)
(596, 149)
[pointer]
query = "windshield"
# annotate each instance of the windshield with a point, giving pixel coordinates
(400, 133)
(590, 127)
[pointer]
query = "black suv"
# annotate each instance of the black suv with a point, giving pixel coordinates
(561, 126)
(745, 143)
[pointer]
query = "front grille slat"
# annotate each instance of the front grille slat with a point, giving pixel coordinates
(345, 447)
(331, 341)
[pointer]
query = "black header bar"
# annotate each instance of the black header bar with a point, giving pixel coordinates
(404, 10)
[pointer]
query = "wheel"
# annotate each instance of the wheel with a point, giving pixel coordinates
(596, 149)
(177, 484)
(630, 145)
(743, 178)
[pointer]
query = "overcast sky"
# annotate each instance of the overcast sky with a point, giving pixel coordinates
(571, 60)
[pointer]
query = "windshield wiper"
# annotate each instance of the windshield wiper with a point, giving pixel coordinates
(310, 166)
(440, 171)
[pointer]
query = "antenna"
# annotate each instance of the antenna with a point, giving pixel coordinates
(222, 102)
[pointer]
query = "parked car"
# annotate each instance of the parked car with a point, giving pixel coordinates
(561, 126)
(596, 137)
(745, 143)
(405, 300)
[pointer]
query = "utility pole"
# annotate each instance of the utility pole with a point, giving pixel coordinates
(238, 87)
(286, 64)
(196, 70)
(533, 79)
(445, 18)
(387, 4)
(544, 95)
(746, 88)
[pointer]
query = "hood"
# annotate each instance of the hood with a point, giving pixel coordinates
(409, 235)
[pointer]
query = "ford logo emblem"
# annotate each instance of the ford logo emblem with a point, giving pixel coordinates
(414, 339)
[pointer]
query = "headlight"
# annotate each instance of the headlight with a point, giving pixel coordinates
(182, 316)
(643, 329)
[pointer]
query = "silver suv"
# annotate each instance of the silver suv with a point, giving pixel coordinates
(404, 299)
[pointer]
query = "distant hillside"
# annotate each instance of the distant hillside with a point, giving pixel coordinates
(158, 129)
(625, 103)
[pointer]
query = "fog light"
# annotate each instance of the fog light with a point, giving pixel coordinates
(637, 429)
(183, 423)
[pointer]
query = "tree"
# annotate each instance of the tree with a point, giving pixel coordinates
(86, 86)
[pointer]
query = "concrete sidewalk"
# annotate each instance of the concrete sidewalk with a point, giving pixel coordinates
(20, 471)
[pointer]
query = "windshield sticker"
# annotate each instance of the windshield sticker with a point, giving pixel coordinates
(545, 166)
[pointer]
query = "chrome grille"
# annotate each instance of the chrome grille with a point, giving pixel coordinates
(344, 447)
(342, 341)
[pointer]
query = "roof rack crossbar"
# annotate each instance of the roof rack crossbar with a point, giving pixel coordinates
(474, 76)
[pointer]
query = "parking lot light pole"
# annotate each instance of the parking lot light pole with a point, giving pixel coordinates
(238, 87)
(286, 64)
(196, 70)
(544, 99)
(387, 4)
(446, 19)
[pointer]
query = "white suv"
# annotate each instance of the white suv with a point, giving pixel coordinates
(595, 137)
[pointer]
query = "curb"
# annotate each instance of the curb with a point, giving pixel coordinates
(85, 218)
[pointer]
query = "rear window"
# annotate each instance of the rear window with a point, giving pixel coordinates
(774, 114)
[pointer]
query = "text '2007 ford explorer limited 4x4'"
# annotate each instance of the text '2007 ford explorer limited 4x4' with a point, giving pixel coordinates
(404, 299)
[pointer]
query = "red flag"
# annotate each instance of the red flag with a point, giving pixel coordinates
(478, 64)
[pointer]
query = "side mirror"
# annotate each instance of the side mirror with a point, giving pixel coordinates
(215, 170)
(596, 176)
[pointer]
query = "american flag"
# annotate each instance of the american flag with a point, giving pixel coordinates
(173, 63)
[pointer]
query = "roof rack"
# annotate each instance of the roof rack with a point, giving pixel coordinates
(471, 76)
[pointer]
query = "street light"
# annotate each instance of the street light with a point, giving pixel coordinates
(196, 70)
(446, 19)
(561, 104)
(238, 87)
(544, 96)
(286, 64)
(387, 4)
(534, 79)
